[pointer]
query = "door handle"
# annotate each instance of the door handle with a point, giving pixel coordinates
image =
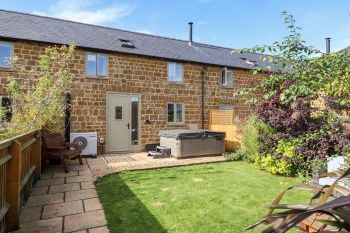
(128, 125)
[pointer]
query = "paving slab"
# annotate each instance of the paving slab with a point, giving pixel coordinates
(46, 175)
(82, 178)
(53, 225)
(54, 181)
(62, 209)
(92, 204)
(64, 174)
(80, 194)
(39, 190)
(99, 230)
(84, 221)
(64, 188)
(84, 172)
(78, 167)
(87, 185)
(83, 231)
(45, 199)
(30, 214)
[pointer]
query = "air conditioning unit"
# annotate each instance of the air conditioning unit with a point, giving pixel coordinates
(87, 141)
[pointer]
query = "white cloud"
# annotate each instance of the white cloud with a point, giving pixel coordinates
(88, 11)
(145, 31)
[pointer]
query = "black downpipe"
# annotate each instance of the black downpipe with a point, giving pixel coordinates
(202, 95)
(67, 117)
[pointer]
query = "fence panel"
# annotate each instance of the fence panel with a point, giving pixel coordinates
(20, 159)
(225, 120)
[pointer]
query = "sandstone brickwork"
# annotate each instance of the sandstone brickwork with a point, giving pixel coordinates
(146, 76)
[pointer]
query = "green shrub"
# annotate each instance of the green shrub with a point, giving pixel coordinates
(250, 140)
(235, 156)
(275, 166)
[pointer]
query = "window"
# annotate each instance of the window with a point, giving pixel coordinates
(226, 106)
(227, 77)
(96, 65)
(6, 51)
(175, 72)
(175, 112)
(126, 44)
(6, 108)
(134, 119)
(118, 113)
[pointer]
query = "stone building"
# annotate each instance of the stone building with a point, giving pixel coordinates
(130, 85)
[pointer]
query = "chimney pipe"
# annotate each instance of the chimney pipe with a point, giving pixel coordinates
(190, 24)
(328, 45)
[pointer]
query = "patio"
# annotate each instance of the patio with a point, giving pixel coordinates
(67, 202)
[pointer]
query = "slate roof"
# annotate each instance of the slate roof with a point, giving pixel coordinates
(30, 27)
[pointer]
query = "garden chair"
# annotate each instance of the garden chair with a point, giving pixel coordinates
(56, 147)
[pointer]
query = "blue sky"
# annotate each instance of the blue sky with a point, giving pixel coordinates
(229, 23)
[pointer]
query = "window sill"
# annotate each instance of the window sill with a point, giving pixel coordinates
(227, 87)
(176, 83)
(8, 69)
(176, 123)
(96, 77)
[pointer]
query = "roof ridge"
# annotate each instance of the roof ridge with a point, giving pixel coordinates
(111, 28)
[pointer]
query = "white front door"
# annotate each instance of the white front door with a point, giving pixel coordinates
(119, 122)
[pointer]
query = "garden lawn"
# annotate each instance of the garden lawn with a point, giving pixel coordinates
(220, 197)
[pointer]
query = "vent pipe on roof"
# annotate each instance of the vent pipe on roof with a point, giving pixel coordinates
(190, 24)
(328, 45)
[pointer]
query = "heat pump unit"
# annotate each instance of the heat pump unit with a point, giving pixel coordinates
(87, 141)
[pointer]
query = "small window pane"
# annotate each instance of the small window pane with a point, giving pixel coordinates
(171, 113)
(179, 112)
(102, 65)
(118, 113)
(229, 78)
(171, 71)
(178, 72)
(223, 77)
(134, 120)
(5, 55)
(91, 64)
(6, 105)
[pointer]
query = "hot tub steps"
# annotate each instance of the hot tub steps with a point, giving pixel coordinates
(161, 152)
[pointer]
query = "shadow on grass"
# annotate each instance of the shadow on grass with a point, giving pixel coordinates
(124, 211)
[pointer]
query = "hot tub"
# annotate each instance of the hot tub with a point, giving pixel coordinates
(187, 143)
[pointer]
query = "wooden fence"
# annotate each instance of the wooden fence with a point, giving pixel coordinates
(20, 160)
(225, 120)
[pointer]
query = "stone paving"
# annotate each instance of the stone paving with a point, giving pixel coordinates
(67, 202)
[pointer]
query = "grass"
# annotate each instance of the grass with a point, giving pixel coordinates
(221, 197)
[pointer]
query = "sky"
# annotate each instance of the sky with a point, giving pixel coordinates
(227, 23)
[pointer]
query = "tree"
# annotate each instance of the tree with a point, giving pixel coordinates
(39, 105)
(304, 99)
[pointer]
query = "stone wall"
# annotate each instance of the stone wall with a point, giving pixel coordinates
(146, 76)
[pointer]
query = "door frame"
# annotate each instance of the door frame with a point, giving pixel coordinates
(132, 148)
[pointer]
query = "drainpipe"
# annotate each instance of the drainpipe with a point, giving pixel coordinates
(203, 94)
(67, 117)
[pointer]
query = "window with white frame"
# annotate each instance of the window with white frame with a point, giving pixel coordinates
(175, 72)
(6, 52)
(227, 77)
(6, 108)
(96, 65)
(176, 113)
(226, 106)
